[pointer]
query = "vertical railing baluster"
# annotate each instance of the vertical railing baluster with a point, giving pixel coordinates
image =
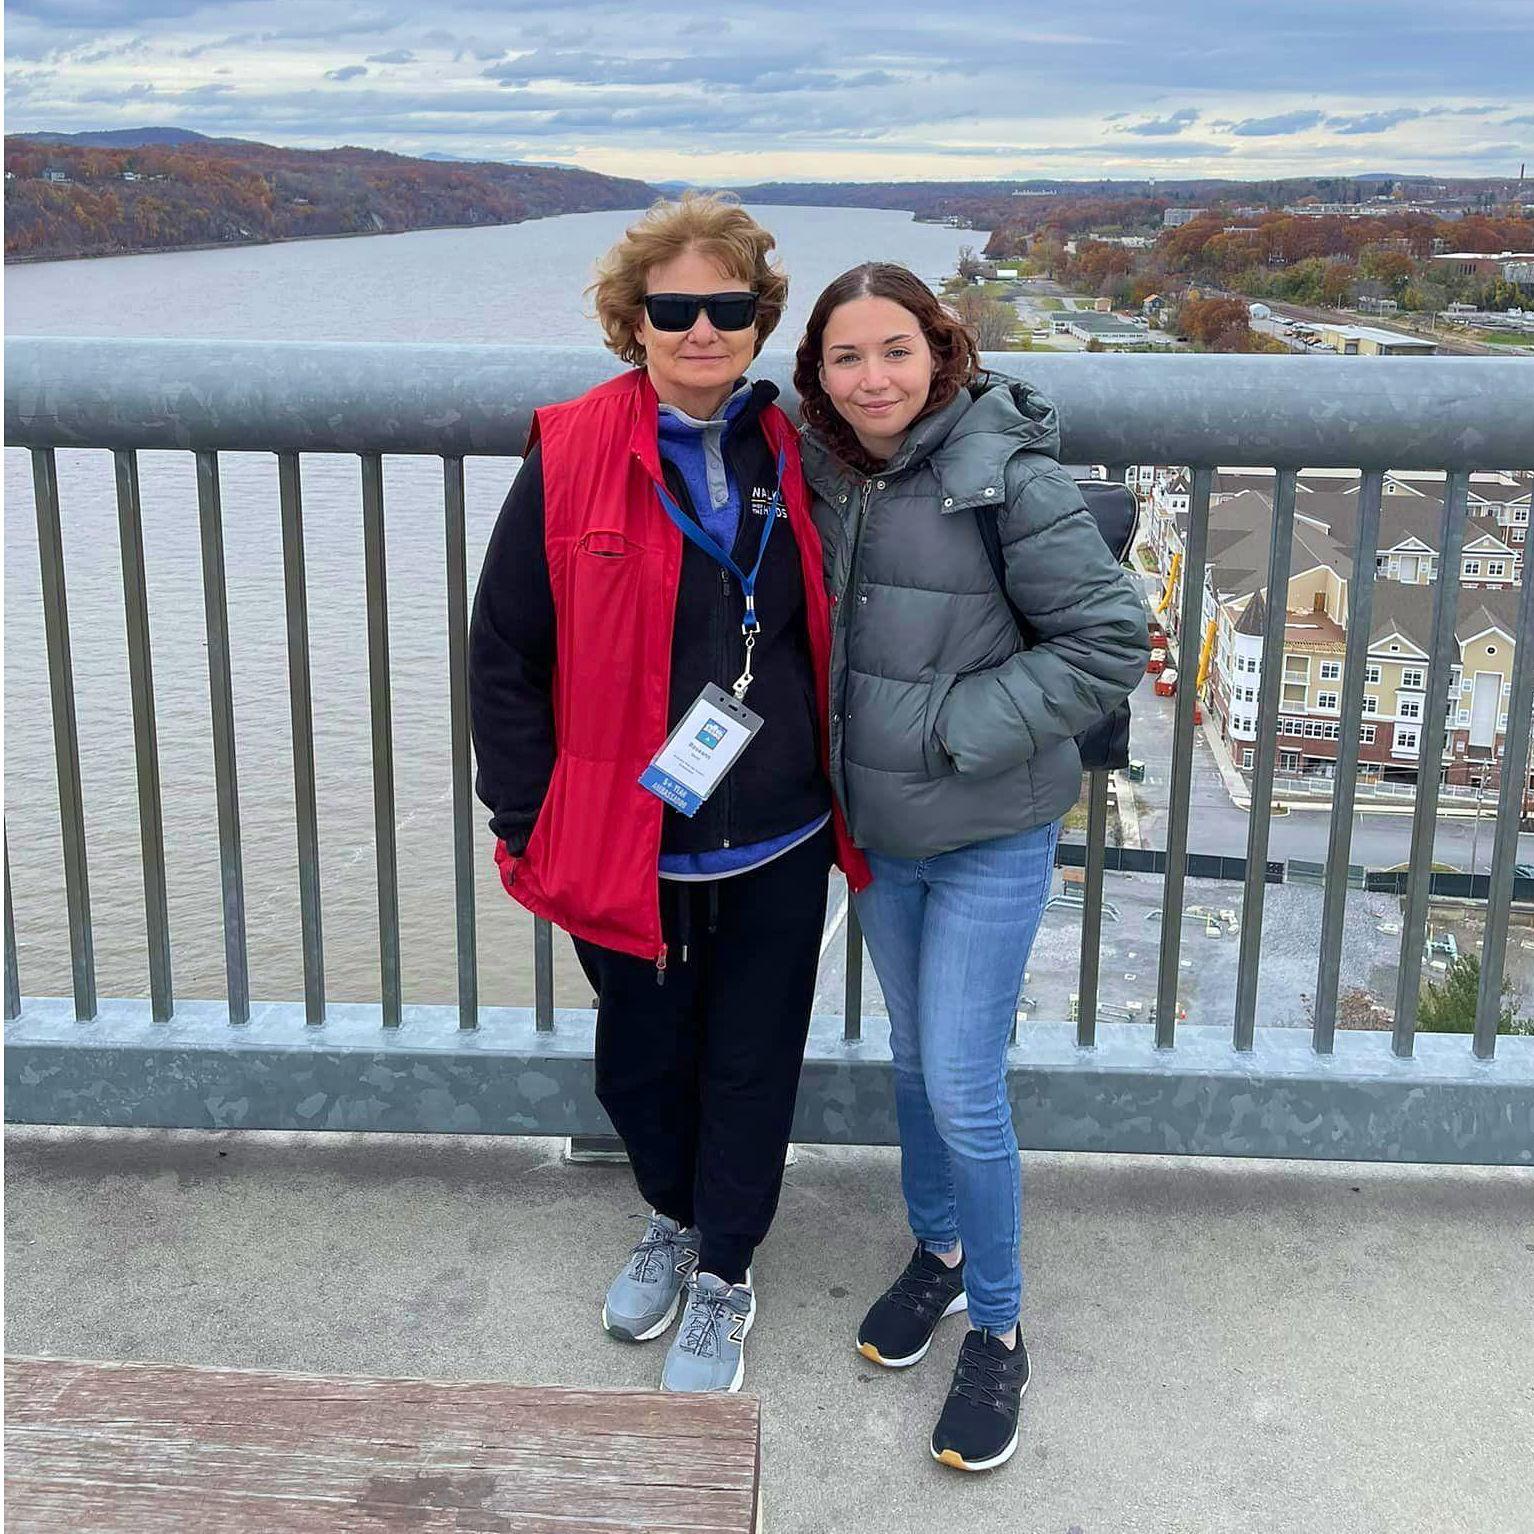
(1092, 911)
(66, 739)
(1270, 691)
(12, 970)
(852, 1007)
(301, 711)
(1334, 900)
(1188, 638)
(463, 787)
(1419, 875)
(1090, 963)
(375, 558)
(543, 975)
(1504, 850)
(146, 749)
(215, 599)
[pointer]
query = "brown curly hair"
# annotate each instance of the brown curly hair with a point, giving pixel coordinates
(955, 354)
(712, 223)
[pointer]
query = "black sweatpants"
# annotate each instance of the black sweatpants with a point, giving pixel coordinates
(699, 1074)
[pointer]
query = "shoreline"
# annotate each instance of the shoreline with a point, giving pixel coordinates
(292, 239)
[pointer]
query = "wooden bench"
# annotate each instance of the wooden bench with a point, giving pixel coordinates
(128, 1448)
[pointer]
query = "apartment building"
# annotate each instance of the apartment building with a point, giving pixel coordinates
(1408, 568)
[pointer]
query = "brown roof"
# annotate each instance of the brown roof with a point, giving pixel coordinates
(1254, 616)
(1240, 531)
(1313, 631)
(1325, 528)
(1408, 610)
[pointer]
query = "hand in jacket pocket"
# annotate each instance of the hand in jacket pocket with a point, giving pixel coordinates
(935, 757)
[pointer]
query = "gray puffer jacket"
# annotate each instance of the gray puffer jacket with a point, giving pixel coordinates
(945, 729)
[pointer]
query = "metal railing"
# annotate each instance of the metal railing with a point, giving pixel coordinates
(1204, 1086)
(1319, 786)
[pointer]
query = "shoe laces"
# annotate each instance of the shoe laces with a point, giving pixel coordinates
(707, 1310)
(979, 1378)
(655, 1246)
(917, 1288)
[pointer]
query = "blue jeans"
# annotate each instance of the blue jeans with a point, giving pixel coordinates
(949, 937)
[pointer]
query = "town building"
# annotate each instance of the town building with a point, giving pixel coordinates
(1473, 263)
(1367, 341)
(1090, 325)
(1408, 566)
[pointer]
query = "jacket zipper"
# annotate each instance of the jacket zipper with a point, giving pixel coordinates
(728, 808)
(841, 625)
(865, 496)
(743, 486)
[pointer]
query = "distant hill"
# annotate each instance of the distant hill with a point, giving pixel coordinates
(125, 138)
(990, 204)
(71, 195)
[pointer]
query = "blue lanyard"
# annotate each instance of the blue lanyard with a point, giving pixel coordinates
(696, 534)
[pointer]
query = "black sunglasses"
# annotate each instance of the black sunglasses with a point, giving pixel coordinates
(679, 311)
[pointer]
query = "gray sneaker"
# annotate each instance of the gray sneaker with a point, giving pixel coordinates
(709, 1350)
(642, 1300)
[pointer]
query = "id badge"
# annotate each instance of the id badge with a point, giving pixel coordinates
(700, 750)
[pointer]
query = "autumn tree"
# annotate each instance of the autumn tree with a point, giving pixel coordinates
(1216, 324)
(1049, 252)
(990, 318)
(1425, 296)
(1392, 268)
(970, 265)
(1337, 284)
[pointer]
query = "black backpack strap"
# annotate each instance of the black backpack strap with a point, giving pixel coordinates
(988, 520)
(1104, 745)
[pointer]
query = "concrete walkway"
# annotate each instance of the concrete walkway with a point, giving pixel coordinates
(1220, 1347)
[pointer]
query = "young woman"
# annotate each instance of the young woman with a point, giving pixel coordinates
(952, 755)
(655, 549)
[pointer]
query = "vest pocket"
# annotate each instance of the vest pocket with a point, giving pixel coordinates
(606, 644)
(601, 543)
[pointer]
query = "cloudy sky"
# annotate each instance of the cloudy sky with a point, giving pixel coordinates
(809, 89)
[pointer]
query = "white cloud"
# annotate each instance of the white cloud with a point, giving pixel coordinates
(794, 87)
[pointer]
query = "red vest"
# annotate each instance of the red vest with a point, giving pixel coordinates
(615, 561)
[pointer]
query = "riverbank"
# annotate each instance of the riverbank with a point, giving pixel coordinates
(289, 239)
(65, 201)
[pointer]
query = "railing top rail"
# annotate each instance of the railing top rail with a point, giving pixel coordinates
(456, 400)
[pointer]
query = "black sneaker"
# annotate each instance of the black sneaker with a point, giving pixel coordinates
(978, 1428)
(897, 1331)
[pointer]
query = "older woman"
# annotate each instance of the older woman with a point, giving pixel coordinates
(655, 567)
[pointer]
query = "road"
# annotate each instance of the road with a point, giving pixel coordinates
(1215, 825)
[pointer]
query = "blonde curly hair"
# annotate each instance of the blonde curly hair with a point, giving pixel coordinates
(712, 223)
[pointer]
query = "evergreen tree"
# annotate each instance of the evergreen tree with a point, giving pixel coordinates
(1450, 1007)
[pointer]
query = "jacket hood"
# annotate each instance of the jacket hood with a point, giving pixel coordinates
(968, 443)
